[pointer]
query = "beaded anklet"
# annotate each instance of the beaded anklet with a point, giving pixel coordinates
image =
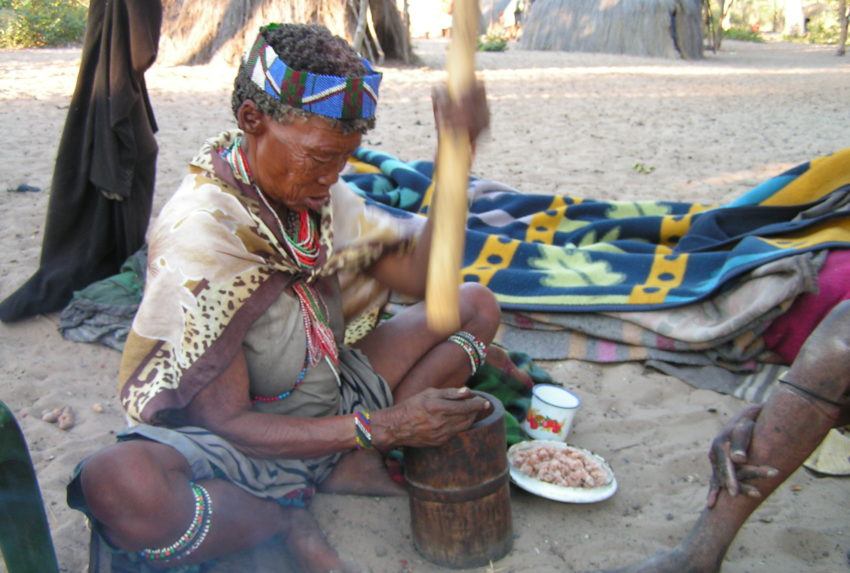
(474, 347)
(363, 430)
(189, 542)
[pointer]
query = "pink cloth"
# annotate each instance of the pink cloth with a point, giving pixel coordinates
(787, 333)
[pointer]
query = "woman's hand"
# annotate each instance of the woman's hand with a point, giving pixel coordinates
(469, 113)
(728, 455)
(428, 418)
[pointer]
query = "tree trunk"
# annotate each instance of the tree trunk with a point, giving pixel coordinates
(197, 31)
(795, 20)
(391, 30)
(716, 14)
(842, 22)
(711, 27)
(360, 32)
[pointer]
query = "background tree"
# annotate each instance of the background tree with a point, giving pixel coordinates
(196, 31)
(843, 17)
(716, 16)
(795, 20)
(41, 23)
(362, 8)
(391, 29)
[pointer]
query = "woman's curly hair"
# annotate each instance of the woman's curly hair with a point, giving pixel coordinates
(304, 47)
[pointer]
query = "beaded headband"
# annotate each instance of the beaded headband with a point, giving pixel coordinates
(331, 96)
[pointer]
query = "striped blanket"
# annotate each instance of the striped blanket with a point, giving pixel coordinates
(686, 287)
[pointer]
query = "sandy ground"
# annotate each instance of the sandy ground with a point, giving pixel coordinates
(595, 126)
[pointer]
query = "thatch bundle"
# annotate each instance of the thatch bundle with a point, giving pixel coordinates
(660, 28)
(197, 31)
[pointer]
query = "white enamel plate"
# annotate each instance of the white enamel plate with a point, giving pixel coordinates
(557, 492)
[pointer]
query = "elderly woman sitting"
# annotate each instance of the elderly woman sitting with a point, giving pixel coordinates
(245, 399)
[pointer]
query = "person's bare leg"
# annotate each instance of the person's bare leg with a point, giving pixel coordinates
(411, 357)
(139, 491)
(790, 426)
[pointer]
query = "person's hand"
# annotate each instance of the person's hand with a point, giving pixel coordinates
(469, 113)
(428, 418)
(728, 456)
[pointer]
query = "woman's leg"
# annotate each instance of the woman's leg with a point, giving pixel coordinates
(411, 357)
(140, 492)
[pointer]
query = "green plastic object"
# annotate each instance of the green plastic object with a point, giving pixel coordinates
(24, 532)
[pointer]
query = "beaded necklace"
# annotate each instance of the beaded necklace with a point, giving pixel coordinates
(303, 244)
(303, 248)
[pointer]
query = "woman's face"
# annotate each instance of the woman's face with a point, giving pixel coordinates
(295, 164)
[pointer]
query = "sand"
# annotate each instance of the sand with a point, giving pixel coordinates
(588, 125)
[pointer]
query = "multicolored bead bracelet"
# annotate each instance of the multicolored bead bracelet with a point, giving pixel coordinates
(363, 430)
(474, 347)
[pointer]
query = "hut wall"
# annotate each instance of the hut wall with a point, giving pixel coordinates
(658, 28)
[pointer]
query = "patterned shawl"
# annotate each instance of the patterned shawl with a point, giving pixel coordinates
(215, 263)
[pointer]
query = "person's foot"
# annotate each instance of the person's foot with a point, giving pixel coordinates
(362, 472)
(308, 545)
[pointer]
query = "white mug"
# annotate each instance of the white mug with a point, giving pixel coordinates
(551, 412)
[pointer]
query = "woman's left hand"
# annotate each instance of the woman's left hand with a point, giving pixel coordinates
(428, 418)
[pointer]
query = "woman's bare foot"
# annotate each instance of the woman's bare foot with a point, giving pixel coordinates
(362, 472)
(310, 548)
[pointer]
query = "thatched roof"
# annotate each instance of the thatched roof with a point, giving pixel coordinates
(197, 31)
(661, 28)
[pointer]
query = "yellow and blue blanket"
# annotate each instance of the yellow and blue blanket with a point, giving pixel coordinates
(687, 288)
(562, 254)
